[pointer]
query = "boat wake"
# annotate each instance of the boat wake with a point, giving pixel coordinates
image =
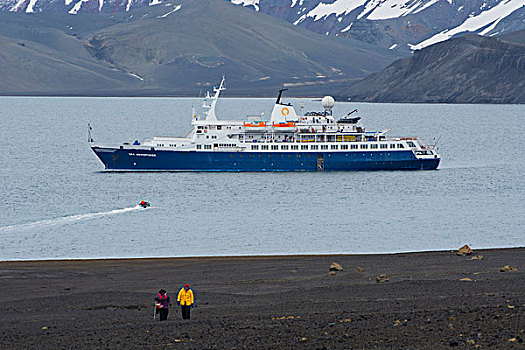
(68, 219)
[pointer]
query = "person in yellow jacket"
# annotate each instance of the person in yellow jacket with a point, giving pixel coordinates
(186, 300)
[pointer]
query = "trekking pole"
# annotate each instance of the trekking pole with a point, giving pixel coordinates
(154, 311)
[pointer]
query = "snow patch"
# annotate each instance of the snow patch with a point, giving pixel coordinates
(134, 75)
(338, 7)
(490, 18)
(68, 2)
(155, 2)
(128, 5)
(30, 7)
(460, 8)
(100, 4)
(169, 13)
(347, 28)
(265, 78)
(254, 3)
(299, 20)
(392, 47)
(77, 7)
(386, 9)
(17, 6)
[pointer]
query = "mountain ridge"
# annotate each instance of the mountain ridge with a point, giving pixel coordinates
(403, 25)
(467, 69)
(172, 50)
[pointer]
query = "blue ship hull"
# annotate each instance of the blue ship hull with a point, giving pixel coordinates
(161, 160)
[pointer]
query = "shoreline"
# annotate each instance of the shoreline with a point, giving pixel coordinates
(269, 96)
(430, 300)
(257, 256)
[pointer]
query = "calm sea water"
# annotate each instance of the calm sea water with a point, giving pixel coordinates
(57, 202)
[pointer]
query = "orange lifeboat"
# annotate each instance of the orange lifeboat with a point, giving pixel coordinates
(255, 126)
(284, 127)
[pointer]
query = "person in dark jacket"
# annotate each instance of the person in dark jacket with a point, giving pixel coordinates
(162, 304)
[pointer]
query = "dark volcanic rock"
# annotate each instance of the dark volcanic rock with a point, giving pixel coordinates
(254, 303)
(468, 69)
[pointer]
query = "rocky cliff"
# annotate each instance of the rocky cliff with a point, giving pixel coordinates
(467, 69)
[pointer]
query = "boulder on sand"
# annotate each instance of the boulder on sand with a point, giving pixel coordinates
(336, 267)
(477, 257)
(465, 250)
(508, 268)
(382, 278)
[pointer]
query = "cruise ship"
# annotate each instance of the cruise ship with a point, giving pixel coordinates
(314, 141)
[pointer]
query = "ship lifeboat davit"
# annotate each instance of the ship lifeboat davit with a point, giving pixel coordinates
(284, 127)
(144, 204)
(255, 126)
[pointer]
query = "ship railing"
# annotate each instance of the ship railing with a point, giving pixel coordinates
(300, 138)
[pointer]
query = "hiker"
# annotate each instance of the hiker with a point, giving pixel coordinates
(162, 304)
(186, 301)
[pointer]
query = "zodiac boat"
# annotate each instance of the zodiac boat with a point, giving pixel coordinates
(315, 141)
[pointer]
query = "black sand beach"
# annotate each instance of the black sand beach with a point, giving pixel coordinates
(269, 302)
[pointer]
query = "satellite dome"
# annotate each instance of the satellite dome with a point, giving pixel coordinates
(328, 102)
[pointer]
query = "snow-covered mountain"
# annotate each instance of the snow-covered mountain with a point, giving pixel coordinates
(395, 24)
(398, 24)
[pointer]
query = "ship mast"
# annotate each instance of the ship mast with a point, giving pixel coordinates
(210, 102)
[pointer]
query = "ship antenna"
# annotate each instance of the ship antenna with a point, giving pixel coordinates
(278, 102)
(90, 139)
(435, 144)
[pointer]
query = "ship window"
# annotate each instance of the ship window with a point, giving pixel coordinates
(270, 155)
(304, 147)
(264, 147)
(374, 145)
(295, 147)
(353, 146)
(255, 147)
(199, 146)
(275, 147)
(284, 147)
(384, 145)
(314, 147)
(364, 146)
(298, 155)
(392, 145)
(400, 145)
(344, 146)
(219, 127)
(251, 156)
(207, 146)
(324, 146)
(334, 147)
(411, 144)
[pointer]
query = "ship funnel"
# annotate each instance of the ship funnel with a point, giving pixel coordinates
(283, 113)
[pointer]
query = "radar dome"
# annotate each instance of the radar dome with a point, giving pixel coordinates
(328, 102)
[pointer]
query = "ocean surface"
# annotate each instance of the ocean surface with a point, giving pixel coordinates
(58, 203)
